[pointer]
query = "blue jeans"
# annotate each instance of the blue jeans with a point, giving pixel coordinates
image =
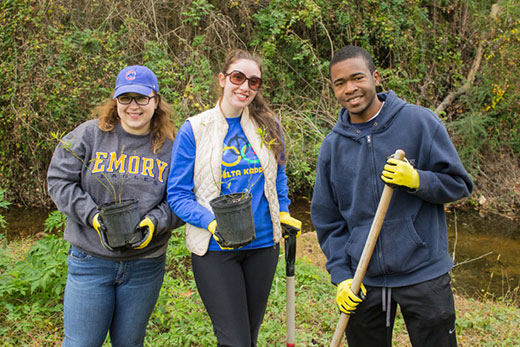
(104, 296)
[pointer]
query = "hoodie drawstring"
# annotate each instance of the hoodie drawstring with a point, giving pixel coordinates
(387, 300)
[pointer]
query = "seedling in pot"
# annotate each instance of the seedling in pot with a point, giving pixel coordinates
(218, 183)
(233, 211)
(108, 185)
(119, 217)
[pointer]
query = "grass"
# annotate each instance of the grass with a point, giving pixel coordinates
(30, 316)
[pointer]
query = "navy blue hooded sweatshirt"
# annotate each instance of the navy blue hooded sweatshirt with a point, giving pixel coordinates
(413, 242)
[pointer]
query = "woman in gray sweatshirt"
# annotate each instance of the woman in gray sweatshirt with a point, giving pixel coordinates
(123, 154)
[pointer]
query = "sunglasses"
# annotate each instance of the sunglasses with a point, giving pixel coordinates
(238, 78)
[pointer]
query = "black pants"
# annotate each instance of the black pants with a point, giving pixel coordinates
(428, 311)
(234, 287)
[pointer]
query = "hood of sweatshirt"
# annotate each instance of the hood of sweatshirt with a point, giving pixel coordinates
(390, 110)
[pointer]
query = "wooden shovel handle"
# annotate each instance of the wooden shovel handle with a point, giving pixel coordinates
(290, 256)
(367, 253)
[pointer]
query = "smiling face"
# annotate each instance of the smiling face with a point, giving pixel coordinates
(136, 119)
(236, 97)
(355, 88)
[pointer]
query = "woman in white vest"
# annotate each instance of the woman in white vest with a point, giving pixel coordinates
(234, 147)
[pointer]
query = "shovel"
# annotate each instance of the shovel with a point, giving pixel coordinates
(290, 255)
(367, 253)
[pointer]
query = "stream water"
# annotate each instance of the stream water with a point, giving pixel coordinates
(485, 249)
(486, 252)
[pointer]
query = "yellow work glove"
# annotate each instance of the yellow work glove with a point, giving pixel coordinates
(290, 224)
(347, 301)
(212, 227)
(401, 173)
(101, 229)
(147, 227)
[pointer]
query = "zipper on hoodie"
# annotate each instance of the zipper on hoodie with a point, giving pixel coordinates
(373, 166)
(377, 250)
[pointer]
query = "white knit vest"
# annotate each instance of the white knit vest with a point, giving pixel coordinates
(210, 129)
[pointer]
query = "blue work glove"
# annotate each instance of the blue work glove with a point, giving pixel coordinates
(101, 229)
(347, 301)
(147, 227)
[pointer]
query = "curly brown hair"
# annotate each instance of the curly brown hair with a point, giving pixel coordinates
(162, 126)
(259, 110)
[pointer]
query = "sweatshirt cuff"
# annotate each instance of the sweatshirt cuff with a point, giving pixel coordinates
(91, 217)
(206, 220)
(339, 275)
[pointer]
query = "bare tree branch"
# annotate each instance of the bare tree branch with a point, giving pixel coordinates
(448, 100)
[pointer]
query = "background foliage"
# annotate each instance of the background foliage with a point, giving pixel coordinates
(59, 58)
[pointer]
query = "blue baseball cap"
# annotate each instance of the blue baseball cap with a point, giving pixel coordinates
(136, 79)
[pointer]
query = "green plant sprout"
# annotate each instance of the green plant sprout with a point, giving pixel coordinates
(263, 136)
(116, 193)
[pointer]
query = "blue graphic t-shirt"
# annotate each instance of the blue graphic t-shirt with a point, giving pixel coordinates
(241, 171)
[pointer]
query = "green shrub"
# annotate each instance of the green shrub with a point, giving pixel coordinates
(31, 290)
(59, 59)
(55, 222)
(3, 204)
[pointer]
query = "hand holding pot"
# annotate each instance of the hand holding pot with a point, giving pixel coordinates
(212, 227)
(101, 229)
(147, 227)
(290, 224)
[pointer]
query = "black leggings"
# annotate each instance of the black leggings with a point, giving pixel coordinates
(234, 287)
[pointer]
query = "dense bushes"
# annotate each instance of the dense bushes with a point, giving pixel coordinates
(59, 58)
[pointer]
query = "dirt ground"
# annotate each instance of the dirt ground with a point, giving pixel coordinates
(307, 247)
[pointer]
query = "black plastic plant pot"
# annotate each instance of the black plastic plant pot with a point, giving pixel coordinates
(121, 219)
(234, 216)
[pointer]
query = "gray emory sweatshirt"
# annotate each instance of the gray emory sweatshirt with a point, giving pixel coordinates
(128, 161)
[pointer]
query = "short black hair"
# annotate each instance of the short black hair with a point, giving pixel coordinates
(349, 52)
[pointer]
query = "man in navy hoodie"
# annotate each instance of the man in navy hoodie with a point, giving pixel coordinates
(411, 263)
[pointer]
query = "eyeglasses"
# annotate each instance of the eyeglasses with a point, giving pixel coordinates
(141, 100)
(238, 78)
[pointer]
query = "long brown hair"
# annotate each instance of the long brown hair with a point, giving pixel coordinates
(259, 110)
(161, 125)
